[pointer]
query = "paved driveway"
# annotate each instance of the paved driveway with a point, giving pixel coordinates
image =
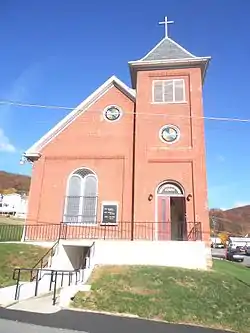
(87, 322)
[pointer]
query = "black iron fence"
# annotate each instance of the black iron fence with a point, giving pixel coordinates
(181, 231)
(11, 232)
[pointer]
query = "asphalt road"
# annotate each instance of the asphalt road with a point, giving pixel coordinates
(16, 327)
(220, 253)
(88, 322)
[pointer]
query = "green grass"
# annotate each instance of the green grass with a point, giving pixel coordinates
(11, 220)
(213, 299)
(17, 255)
(235, 270)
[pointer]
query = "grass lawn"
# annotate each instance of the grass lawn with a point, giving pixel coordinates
(235, 270)
(213, 299)
(11, 220)
(11, 229)
(17, 255)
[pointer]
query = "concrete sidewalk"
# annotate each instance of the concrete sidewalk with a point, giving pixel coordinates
(37, 305)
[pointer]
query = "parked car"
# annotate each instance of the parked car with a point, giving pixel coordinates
(247, 250)
(234, 254)
(217, 245)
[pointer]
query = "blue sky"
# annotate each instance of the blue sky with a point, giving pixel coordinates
(49, 50)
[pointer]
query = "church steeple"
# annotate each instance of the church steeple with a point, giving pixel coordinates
(167, 54)
(167, 49)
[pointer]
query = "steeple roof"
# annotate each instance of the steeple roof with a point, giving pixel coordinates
(167, 49)
(167, 54)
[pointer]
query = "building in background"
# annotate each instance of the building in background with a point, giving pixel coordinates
(14, 204)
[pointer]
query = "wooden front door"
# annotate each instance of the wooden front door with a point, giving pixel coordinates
(178, 218)
(163, 228)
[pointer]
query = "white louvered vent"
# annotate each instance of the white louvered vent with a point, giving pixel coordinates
(169, 91)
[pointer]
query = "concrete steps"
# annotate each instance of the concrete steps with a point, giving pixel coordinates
(26, 290)
(44, 303)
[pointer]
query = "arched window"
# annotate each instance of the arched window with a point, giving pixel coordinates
(81, 197)
(170, 188)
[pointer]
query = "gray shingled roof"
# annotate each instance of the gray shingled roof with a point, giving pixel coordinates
(167, 49)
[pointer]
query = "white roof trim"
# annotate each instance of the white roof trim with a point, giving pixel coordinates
(113, 81)
(182, 48)
(169, 61)
(161, 41)
(178, 45)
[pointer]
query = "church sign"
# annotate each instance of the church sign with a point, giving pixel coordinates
(109, 213)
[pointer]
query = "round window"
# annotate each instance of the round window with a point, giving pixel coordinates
(169, 133)
(112, 113)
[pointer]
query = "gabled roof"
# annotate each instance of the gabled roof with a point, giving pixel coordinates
(34, 151)
(167, 49)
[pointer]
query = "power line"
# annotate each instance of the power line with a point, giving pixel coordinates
(57, 107)
(4, 102)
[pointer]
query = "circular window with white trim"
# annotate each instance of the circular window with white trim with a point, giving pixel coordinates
(112, 113)
(169, 134)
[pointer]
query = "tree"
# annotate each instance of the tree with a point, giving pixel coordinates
(9, 191)
(223, 237)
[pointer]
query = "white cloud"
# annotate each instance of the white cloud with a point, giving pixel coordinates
(237, 204)
(5, 145)
(241, 203)
(19, 91)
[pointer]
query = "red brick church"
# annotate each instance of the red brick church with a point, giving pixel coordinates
(129, 162)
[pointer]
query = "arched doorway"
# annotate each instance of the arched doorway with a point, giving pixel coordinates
(171, 212)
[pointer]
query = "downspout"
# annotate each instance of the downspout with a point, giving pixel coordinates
(133, 173)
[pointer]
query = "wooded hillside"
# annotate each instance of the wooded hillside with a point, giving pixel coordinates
(10, 182)
(235, 220)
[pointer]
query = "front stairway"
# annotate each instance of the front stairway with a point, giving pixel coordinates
(45, 281)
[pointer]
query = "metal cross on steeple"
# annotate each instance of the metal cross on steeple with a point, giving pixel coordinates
(166, 22)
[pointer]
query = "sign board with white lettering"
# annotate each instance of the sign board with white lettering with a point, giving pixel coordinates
(109, 213)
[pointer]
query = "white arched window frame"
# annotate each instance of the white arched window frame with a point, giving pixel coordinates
(81, 199)
(88, 207)
(170, 188)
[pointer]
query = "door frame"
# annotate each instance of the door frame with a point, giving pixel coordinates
(157, 195)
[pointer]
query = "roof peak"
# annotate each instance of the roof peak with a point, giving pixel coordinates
(167, 49)
(34, 151)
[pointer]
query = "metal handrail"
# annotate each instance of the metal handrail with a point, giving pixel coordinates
(54, 273)
(88, 254)
(40, 262)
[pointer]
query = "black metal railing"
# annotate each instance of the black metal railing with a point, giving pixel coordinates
(90, 253)
(11, 232)
(43, 262)
(179, 231)
(54, 284)
(38, 272)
